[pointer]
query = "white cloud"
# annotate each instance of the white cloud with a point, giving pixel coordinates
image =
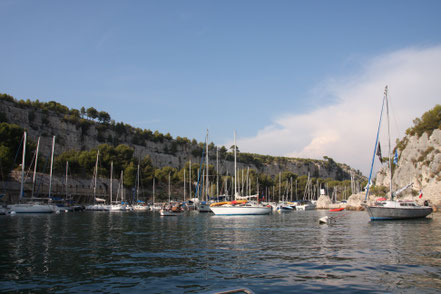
(346, 129)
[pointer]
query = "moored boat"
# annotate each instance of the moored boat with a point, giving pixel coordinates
(247, 208)
(32, 208)
(240, 208)
(171, 209)
(391, 209)
(337, 209)
(395, 210)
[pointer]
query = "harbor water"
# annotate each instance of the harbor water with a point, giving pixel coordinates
(142, 252)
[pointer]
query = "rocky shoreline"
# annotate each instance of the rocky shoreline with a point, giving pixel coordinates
(355, 202)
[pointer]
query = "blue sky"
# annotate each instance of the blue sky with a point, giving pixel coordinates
(264, 68)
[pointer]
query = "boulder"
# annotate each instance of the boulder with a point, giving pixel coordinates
(323, 202)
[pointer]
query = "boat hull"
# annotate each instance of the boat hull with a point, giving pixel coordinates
(241, 210)
(305, 207)
(32, 208)
(140, 207)
(337, 209)
(389, 213)
(204, 208)
(97, 207)
(163, 212)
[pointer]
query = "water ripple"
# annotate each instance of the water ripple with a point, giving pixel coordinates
(143, 252)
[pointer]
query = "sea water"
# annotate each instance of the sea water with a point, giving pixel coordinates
(143, 252)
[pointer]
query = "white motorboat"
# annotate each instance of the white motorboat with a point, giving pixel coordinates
(305, 206)
(284, 207)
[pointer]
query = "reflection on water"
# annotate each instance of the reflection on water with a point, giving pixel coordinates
(291, 252)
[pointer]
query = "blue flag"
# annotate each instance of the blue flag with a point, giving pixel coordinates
(396, 157)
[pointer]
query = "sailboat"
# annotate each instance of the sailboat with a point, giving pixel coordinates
(170, 209)
(155, 206)
(140, 205)
(242, 205)
(384, 209)
(204, 206)
(306, 203)
(31, 206)
(96, 206)
(113, 205)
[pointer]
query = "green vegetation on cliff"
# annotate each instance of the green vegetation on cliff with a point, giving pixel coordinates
(429, 121)
(114, 148)
(85, 118)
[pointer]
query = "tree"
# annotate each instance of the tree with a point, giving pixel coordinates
(147, 170)
(232, 148)
(168, 136)
(10, 147)
(75, 113)
(92, 113)
(430, 120)
(162, 174)
(104, 117)
(158, 137)
(83, 112)
(130, 173)
(120, 128)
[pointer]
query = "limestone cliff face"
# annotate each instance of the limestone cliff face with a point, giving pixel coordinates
(419, 163)
(72, 135)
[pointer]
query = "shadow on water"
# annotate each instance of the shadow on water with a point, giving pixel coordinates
(204, 253)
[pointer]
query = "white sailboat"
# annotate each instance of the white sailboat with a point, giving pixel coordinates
(113, 205)
(306, 203)
(98, 203)
(155, 206)
(139, 206)
(392, 209)
(242, 205)
(32, 205)
(204, 206)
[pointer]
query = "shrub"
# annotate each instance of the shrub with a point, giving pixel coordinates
(430, 121)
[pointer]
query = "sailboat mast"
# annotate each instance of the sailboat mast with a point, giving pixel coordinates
(35, 167)
(96, 176)
(23, 165)
(248, 181)
(67, 170)
(137, 186)
(375, 149)
(189, 180)
(390, 151)
(111, 181)
(153, 191)
(185, 184)
(217, 173)
(52, 164)
(169, 196)
(123, 198)
(206, 167)
(291, 188)
(235, 167)
(257, 186)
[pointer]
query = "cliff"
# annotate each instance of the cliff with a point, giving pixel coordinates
(419, 163)
(73, 132)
